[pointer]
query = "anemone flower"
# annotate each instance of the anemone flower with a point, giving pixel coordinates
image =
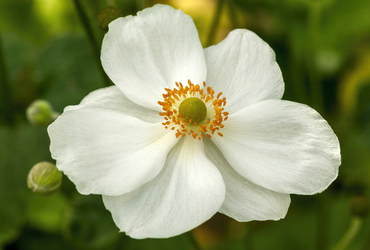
(187, 132)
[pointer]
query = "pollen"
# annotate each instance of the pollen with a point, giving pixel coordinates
(193, 110)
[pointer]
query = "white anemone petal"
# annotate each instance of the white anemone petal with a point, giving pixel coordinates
(187, 192)
(283, 146)
(112, 98)
(108, 152)
(146, 53)
(244, 200)
(244, 68)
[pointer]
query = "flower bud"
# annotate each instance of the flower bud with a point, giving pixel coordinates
(41, 113)
(44, 178)
(360, 206)
(107, 15)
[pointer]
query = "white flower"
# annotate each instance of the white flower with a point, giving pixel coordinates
(160, 175)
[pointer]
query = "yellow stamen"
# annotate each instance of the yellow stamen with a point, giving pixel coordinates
(198, 124)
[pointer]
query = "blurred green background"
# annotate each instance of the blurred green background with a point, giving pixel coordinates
(49, 51)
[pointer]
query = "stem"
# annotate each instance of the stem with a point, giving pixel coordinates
(248, 238)
(141, 4)
(90, 35)
(215, 21)
(323, 221)
(299, 90)
(233, 16)
(352, 231)
(315, 81)
(5, 89)
(295, 64)
(194, 241)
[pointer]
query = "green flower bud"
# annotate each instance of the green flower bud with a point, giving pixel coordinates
(44, 178)
(107, 15)
(41, 113)
(360, 206)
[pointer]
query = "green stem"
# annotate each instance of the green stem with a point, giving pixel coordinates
(215, 21)
(5, 89)
(323, 221)
(248, 238)
(294, 59)
(90, 35)
(193, 241)
(141, 4)
(352, 231)
(232, 13)
(315, 81)
(298, 85)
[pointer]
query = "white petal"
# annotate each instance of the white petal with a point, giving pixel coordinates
(187, 192)
(283, 146)
(107, 152)
(244, 200)
(144, 54)
(243, 67)
(112, 98)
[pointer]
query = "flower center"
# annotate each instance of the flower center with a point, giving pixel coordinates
(193, 110)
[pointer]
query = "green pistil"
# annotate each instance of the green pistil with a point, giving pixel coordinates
(193, 109)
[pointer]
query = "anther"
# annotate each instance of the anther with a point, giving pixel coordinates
(193, 110)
